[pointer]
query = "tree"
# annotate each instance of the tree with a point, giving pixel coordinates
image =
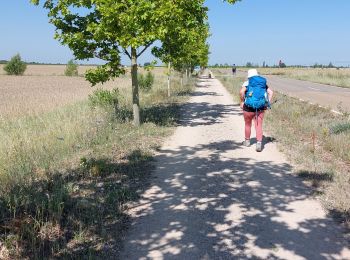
(71, 69)
(330, 65)
(15, 66)
(184, 49)
(281, 64)
(105, 29)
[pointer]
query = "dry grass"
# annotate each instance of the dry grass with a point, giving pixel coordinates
(67, 170)
(316, 141)
(328, 76)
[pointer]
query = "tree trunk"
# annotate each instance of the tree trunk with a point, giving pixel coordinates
(169, 71)
(135, 88)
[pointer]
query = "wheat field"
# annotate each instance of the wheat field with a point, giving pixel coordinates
(44, 88)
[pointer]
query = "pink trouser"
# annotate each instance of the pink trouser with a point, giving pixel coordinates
(248, 118)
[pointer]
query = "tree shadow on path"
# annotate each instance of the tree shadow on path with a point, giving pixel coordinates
(229, 209)
(206, 204)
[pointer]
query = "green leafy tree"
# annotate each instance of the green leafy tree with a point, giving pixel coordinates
(105, 29)
(71, 69)
(15, 66)
(184, 49)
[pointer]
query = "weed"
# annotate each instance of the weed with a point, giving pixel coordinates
(341, 127)
(145, 81)
(104, 98)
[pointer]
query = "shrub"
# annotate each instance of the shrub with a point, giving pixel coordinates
(15, 66)
(104, 98)
(249, 65)
(340, 128)
(71, 69)
(283, 65)
(146, 82)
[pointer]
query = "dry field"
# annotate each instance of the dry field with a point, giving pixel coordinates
(44, 88)
(34, 94)
(47, 70)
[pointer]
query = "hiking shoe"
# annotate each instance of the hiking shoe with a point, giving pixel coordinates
(258, 146)
(246, 142)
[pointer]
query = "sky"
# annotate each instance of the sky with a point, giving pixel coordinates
(298, 32)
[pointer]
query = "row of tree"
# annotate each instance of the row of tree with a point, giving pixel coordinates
(107, 29)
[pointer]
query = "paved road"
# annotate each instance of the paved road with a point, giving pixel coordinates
(324, 95)
(212, 198)
(321, 94)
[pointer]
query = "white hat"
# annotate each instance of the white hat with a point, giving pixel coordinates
(252, 73)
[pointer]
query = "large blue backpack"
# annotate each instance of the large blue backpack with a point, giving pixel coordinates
(256, 95)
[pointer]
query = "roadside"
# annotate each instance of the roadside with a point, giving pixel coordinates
(327, 96)
(316, 141)
(212, 198)
(66, 175)
(339, 77)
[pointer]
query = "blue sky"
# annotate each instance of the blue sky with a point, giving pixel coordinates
(296, 31)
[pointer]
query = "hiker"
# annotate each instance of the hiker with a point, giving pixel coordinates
(255, 98)
(234, 69)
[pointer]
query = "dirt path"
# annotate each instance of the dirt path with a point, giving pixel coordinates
(212, 198)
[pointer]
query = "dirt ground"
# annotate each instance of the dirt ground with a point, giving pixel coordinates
(212, 198)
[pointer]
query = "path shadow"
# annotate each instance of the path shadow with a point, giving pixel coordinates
(200, 94)
(205, 204)
(204, 113)
(266, 139)
(214, 207)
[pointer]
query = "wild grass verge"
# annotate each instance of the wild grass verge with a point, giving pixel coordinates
(316, 141)
(66, 175)
(328, 76)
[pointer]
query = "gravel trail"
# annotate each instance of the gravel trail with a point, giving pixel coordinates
(212, 198)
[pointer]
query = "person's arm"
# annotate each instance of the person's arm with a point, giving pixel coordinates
(242, 95)
(270, 94)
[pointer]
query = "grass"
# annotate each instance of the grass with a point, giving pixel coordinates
(67, 174)
(328, 76)
(316, 141)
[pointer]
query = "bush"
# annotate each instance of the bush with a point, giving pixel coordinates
(71, 69)
(15, 66)
(340, 128)
(249, 65)
(104, 98)
(283, 65)
(146, 82)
